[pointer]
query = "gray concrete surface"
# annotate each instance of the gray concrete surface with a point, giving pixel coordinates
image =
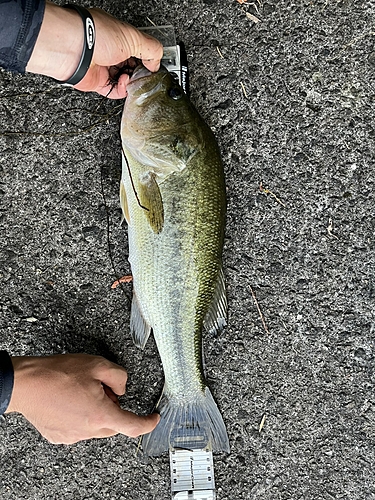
(304, 131)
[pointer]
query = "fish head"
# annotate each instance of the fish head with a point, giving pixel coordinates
(159, 126)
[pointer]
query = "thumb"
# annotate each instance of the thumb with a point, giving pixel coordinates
(149, 50)
(133, 425)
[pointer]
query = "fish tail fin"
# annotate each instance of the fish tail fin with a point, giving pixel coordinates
(193, 424)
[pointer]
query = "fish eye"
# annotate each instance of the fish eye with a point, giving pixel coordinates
(175, 93)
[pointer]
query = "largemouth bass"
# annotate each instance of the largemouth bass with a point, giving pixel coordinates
(173, 197)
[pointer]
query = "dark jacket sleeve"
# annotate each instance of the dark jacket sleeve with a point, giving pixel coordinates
(20, 22)
(6, 380)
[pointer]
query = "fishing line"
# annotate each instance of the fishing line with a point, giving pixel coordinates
(131, 180)
(109, 235)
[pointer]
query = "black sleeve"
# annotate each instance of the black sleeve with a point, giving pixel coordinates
(6, 381)
(20, 22)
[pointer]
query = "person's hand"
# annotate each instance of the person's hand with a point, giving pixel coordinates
(59, 46)
(115, 43)
(72, 397)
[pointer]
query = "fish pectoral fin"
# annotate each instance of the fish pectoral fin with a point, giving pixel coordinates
(151, 201)
(216, 317)
(124, 202)
(139, 328)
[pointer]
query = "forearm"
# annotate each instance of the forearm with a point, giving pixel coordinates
(59, 44)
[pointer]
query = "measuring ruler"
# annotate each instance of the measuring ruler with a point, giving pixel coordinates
(192, 475)
(192, 464)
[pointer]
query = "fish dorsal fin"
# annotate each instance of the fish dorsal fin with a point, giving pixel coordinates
(151, 200)
(216, 317)
(139, 328)
(124, 202)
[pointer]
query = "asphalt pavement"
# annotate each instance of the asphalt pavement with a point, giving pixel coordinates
(288, 89)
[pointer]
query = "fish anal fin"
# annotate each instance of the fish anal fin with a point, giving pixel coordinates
(124, 202)
(216, 317)
(151, 200)
(139, 328)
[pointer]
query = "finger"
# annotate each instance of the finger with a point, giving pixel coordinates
(68, 440)
(98, 80)
(112, 375)
(149, 50)
(151, 64)
(133, 425)
(112, 396)
(116, 91)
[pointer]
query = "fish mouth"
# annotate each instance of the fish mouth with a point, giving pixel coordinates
(142, 72)
(139, 72)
